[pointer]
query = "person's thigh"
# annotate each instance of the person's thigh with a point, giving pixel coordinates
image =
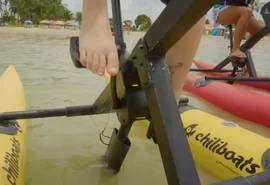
(230, 15)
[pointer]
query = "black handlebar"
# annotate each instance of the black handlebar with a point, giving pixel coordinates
(74, 52)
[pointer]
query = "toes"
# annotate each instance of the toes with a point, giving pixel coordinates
(113, 63)
(102, 65)
(238, 55)
(242, 55)
(83, 57)
(89, 59)
(95, 63)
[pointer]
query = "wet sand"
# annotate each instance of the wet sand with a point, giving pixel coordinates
(66, 151)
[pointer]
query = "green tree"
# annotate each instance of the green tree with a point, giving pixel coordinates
(133, 28)
(143, 22)
(111, 23)
(207, 21)
(1, 6)
(66, 14)
(78, 16)
(5, 16)
(4, 5)
(128, 23)
(37, 10)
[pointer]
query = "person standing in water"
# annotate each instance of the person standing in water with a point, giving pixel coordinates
(98, 51)
(238, 13)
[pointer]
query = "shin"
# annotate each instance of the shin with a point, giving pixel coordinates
(180, 57)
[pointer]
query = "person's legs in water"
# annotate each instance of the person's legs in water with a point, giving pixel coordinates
(239, 16)
(98, 50)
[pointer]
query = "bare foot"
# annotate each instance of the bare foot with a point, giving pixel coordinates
(97, 47)
(238, 53)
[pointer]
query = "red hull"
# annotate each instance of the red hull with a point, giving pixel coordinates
(259, 85)
(244, 103)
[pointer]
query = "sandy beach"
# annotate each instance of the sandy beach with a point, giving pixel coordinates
(62, 33)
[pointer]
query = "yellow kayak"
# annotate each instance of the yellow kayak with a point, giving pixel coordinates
(223, 148)
(12, 151)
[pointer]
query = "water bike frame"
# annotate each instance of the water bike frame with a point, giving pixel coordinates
(248, 62)
(142, 90)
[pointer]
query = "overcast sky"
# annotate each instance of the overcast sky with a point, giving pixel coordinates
(130, 8)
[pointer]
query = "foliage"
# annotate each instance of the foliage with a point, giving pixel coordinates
(78, 16)
(133, 28)
(3, 5)
(8, 18)
(128, 24)
(17, 11)
(207, 21)
(37, 10)
(143, 22)
(111, 22)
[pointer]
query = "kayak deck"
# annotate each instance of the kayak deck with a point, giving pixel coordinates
(256, 84)
(244, 103)
(13, 148)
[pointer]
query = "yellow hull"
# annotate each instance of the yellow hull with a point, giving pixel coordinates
(12, 151)
(224, 148)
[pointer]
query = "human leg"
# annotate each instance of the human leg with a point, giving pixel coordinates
(97, 47)
(101, 52)
(180, 57)
(240, 16)
(254, 26)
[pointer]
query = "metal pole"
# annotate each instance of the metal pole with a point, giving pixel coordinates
(43, 113)
(117, 23)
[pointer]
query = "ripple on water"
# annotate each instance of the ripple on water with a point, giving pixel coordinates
(67, 151)
(50, 80)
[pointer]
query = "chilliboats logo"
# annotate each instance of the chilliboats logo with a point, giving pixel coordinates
(221, 147)
(11, 166)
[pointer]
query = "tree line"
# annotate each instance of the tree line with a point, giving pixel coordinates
(141, 23)
(17, 11)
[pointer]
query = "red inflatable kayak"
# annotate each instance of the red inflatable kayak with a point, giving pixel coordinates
(242, 102)
(259, 85)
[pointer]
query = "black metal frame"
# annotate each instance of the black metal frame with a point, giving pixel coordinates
(142, 90)
(248, 62)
